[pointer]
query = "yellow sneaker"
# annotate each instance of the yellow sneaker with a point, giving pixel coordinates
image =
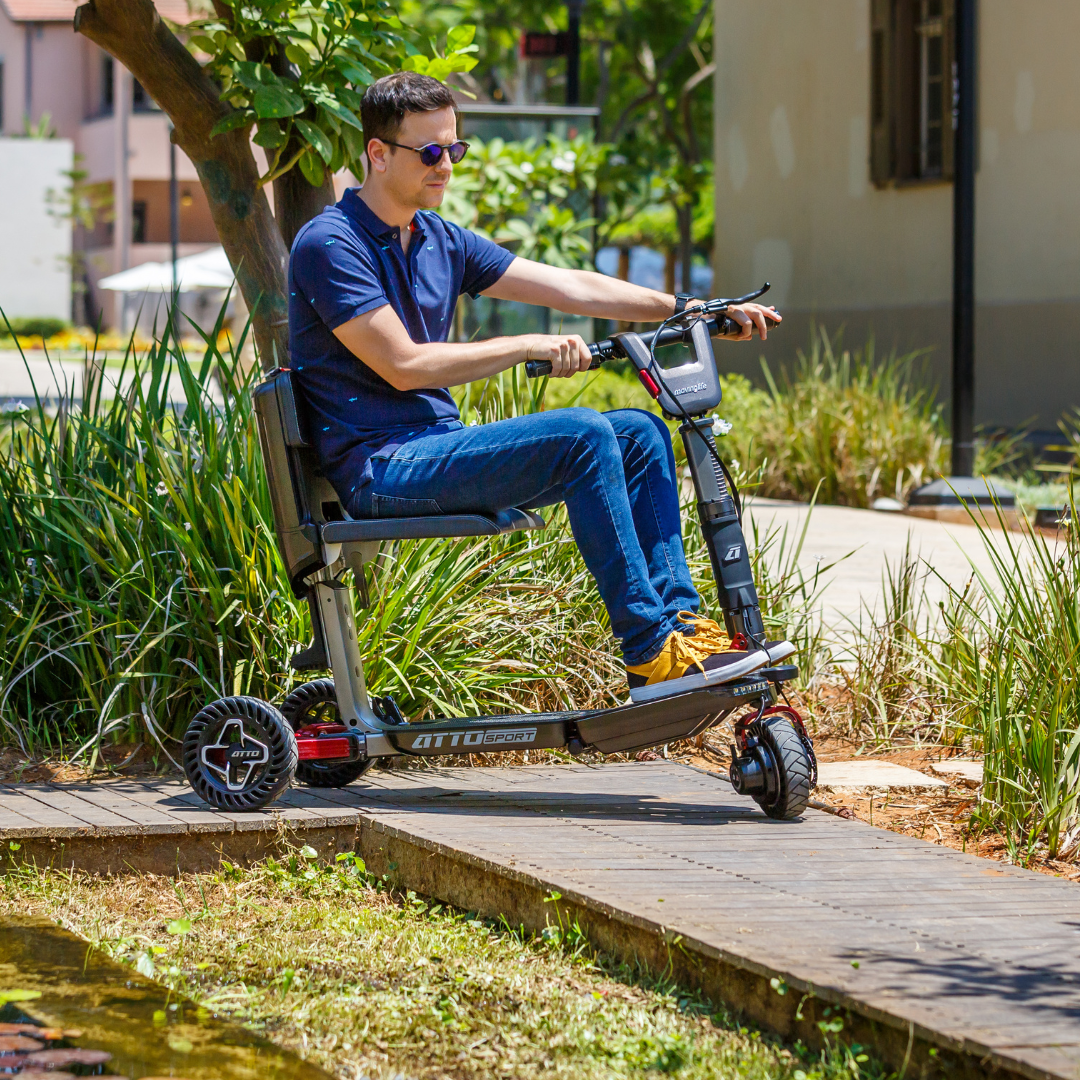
(707, 629)
(688, 662)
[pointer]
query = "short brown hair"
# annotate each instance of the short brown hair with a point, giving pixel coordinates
(386, 101)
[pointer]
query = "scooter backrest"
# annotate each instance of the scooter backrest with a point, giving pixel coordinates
(302, 500)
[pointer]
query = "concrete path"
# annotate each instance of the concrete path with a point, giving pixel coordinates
(943, 962)
(872, 541)
(54, 379)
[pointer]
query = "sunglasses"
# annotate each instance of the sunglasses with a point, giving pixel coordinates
(433, 152)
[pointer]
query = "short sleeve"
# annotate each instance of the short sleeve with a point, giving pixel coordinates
(485, 262)
(335, 273)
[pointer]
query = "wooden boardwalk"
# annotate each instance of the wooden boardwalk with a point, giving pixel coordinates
(948, 964)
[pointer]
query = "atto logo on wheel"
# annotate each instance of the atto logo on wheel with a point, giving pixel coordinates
(235, 755)
(444, 740)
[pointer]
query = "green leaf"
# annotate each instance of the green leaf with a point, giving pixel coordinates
(339, 110)
(231, 121)
(298, 56)
(308, 852)
(205, 43)
(276, 101)
(439, 68)
(354, 71)
(459, 37)
(235, 48)
(254, 76)
(312, 169)
(418, 62)
(18, 995)
(270, 136)
(145, 966)
(178, 927)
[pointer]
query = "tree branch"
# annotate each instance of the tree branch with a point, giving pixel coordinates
(132, 32)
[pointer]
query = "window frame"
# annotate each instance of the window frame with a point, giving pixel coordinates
(898, 93)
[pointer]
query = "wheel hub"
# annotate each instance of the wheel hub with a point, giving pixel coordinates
(754, 771)
(235, 756)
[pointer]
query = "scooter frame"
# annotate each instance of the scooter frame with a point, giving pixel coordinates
(319, 543)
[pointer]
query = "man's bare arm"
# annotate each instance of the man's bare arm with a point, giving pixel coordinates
(380, 339)
(583, 292)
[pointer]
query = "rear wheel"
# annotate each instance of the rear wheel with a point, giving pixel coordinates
(316, 703)
(239, 754)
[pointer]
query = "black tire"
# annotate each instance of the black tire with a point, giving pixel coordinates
(793, 768)
(262, 735)
(316, 703)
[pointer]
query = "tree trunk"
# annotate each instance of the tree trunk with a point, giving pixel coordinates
(296, 202)
(132, 32)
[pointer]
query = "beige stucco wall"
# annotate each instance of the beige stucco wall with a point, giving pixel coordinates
(795, 203)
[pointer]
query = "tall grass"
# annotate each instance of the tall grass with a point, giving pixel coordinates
(139, 577)
(1009, 664)
(858, 425)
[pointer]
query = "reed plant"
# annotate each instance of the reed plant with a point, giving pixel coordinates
(139, 576)
(1008, 665)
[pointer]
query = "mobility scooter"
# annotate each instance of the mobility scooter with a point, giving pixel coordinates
(241, 753)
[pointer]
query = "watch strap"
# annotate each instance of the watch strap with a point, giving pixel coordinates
(681, 300)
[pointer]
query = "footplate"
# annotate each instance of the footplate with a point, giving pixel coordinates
(538, 731)
(653, 723)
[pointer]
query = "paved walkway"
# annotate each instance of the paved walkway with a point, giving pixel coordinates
(54, 379)
(872, 540)
(932, 952)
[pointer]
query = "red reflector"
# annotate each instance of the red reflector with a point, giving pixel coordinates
(313, 749)
(649, 384)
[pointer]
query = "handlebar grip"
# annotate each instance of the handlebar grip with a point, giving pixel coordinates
(537, 369)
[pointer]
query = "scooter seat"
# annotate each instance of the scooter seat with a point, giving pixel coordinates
(419, 528)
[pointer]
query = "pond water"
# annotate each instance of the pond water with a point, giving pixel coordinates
(67, 1010)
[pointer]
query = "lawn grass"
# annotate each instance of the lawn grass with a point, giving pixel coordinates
(365, 982)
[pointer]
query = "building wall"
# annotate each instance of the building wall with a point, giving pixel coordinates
(35, 271)
(795, 204)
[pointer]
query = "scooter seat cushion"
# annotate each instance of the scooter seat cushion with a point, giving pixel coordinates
(418, 528)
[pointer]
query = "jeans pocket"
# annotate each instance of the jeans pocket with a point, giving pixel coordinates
(392, 506)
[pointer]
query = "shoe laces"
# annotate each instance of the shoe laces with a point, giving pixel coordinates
(710, 634)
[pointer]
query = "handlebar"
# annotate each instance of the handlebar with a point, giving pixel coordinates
(608, 349)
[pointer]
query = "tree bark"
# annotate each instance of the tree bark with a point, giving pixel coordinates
(296, 202)
(132, 32)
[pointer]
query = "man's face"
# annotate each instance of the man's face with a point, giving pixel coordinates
(414, 183)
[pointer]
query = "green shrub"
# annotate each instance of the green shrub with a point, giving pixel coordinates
(43, 326)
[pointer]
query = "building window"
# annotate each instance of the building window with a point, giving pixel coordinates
(138, 221)
(912, 90)
(106, 85)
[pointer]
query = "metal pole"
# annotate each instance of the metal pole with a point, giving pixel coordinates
(963, 374)
(122, 93)
(573, 52)
(174, 209)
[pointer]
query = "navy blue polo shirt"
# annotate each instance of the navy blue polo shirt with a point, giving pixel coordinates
(348, 261)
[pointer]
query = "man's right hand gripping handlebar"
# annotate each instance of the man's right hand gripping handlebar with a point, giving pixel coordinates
(558, 355)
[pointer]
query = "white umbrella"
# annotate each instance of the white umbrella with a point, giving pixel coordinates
(208, 269)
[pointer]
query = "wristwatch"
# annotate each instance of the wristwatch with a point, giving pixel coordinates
(681, 300)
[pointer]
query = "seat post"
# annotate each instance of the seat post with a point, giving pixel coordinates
(339, 629)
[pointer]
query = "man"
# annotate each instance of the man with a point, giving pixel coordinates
(373, 284)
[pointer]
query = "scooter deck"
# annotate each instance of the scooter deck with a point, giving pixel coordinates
(626, 727)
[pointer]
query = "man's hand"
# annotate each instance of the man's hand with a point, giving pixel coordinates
(752, 317)
(568, 353)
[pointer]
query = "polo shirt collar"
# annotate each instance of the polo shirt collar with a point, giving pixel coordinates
(359, 210)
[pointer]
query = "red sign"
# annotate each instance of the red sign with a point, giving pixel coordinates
(539, 44)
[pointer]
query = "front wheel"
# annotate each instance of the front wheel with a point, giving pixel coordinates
(775, 771)
(315, 702)
(239, 754)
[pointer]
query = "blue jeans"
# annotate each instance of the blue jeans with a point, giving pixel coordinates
(616, 473)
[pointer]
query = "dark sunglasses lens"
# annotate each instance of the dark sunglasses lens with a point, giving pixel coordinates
(430, 154)
(457, 151)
